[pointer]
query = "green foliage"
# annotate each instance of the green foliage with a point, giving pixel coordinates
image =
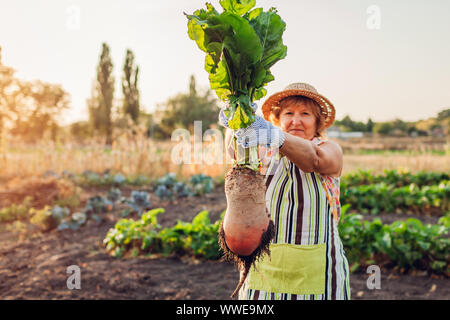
(48, 218)
(30, 109)
(409, 244)
(198, 238)
(396, 192)
(169, 188)
(96, 207)
(130, 87)
(183, 109)
(443, 115)
(395, 178)
(347, 124)
(16, 211)
(398, 127)
(71, 202)
(241, 46)
(381, 197)
(89, 178)
(201, 184)
(138, 202)
(101, 102)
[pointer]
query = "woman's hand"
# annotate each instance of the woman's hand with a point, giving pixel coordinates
(223, 120)
(260, 132)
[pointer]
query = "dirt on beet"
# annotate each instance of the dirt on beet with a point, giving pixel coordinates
(35, 267)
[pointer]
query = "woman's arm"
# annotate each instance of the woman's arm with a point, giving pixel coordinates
(326, 159)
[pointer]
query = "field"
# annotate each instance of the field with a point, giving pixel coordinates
(133, 155)
(34, 256)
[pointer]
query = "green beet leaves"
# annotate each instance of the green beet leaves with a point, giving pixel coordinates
(241, 46)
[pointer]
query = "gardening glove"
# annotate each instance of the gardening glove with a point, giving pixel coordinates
(260, 132)
(223, 120)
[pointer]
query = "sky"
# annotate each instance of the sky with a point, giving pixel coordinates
(381, 59)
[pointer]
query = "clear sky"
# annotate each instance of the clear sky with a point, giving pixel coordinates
(372, 58)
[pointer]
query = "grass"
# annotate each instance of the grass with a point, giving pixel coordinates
(399, 152)
(412, 163)
(135, 155)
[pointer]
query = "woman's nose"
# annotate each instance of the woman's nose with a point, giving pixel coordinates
(297, 120)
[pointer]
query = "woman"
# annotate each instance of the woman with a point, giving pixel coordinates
(307, 258)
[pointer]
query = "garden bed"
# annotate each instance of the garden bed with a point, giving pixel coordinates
(35, 267)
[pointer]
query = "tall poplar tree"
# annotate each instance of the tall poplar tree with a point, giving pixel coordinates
(129, 87)
(101, 102)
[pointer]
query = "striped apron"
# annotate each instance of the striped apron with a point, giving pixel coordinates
(305, 209)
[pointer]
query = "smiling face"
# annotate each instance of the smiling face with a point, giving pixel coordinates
(299, 119)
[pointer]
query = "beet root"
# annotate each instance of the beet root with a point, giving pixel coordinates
(246, 230)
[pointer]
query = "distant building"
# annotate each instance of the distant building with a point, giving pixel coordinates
(438, 132)
(336, 132)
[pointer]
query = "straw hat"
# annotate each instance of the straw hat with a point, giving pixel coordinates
(302, 89)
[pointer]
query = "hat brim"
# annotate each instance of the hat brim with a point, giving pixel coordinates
(327, 108)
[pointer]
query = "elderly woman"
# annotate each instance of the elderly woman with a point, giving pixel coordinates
(307, 258)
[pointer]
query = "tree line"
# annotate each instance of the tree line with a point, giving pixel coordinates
(29, 108)
(438, 125)
(32, 109)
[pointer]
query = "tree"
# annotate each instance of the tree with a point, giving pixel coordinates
(129, 87)
(347, 124)
(369, 125)
(444, 114)
(383, 128)
(30, 109)
(101, 102)
(8, 91)
(41, 106)
(183, 109)
(81, 130)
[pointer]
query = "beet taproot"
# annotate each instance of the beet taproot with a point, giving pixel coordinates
(246, 230)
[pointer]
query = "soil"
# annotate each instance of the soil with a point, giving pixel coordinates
(35, 267)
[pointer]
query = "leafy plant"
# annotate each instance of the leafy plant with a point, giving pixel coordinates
(241, 45)
(114, 194)
(48, 218)
(382, 197)
(138, 201)
(201, 184)
(74, 222)
(16, 211)
(167, 187)
(96, 206)
(407, 244)
(395, 177)
(198, 238)
(90, 178)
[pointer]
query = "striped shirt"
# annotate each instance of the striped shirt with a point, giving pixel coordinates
(305, 210)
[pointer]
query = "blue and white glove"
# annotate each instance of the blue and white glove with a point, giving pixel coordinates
(260, 132)
(223, 120)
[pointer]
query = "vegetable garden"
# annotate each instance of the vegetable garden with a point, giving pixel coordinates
(399, 221)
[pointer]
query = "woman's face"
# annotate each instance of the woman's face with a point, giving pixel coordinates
(299, 121)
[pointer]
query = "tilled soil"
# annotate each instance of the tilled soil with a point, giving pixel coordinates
(36, 267)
